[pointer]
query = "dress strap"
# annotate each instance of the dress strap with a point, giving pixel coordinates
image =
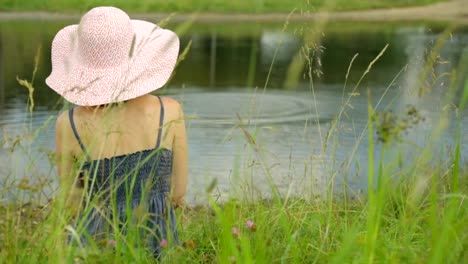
(75, 132)
(161, 123)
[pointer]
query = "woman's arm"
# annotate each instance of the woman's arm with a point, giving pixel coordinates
(70, 193)
(179, 162)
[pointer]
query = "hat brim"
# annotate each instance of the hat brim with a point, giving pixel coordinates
(148, 67)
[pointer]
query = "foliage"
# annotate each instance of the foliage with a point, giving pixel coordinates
(410, 230)
(223, 6)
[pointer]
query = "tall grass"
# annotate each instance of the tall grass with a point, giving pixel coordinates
(418, 217)
(391, 228)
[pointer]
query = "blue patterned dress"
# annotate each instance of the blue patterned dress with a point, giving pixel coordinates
(129, 191)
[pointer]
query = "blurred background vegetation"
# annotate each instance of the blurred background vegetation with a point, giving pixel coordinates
(241, 6)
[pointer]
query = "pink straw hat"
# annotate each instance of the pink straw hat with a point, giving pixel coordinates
(110, 58)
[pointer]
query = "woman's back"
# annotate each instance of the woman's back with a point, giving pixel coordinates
(127, 128)
(124, 152)
(127, 166)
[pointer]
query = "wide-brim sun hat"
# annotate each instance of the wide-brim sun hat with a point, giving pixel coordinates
(110, 58)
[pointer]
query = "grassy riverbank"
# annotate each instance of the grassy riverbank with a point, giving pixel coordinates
(219, 6)
(412, 222)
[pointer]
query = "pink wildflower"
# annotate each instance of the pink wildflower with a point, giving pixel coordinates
(112, 243)
(235, 232)
(163, 243)
(251, 225)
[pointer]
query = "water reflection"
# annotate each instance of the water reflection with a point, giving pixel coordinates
(224, 77)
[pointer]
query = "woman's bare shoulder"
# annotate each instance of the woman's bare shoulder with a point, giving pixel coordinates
(62, 120)
(173, 107)
(170, 102)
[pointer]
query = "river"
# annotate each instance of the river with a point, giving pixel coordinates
(260, 72)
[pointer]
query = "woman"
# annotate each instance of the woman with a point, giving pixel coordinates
(122, 152)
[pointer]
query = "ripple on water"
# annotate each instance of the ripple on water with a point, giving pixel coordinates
(222, 108)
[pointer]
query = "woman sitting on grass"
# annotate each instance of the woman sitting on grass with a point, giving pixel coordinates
(122, 152)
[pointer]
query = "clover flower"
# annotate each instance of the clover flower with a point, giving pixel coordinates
(163, 243)
(112, 243)
(235, 232)
(251, 225)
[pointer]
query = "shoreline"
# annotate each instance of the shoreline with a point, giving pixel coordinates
(452, 12)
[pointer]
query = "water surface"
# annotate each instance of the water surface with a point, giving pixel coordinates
(260, 73)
